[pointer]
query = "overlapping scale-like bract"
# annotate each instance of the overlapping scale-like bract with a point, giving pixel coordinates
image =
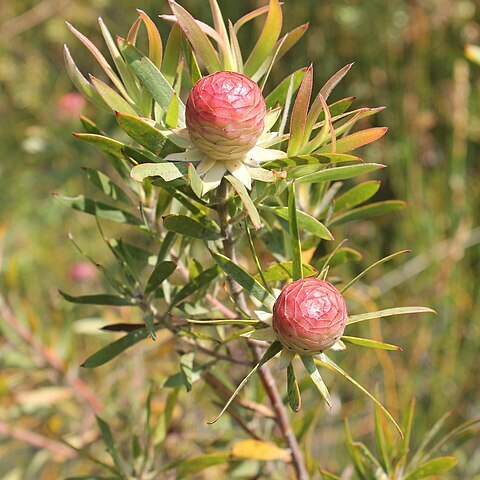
(309, 316)
(225, 115)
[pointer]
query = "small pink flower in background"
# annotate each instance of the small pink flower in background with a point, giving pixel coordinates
(309, 316)
(70, 105)
(81, 272)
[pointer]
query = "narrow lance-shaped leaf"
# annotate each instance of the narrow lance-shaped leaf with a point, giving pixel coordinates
(367, 342)
(172, 54)
(100, 59)
(160, 273)
(293, 392)
(326, 361)
(279, 94)
(109, 441)
(250, 16)
(220, 28)
(105, 184)
(194, 285)
(368, 211)
(305, 221)
(437, 466)
(356, 140)
(294, 234)
(190, 227)
(80, 82)
(327, 89)
(340, 173)
(250, 207)
(299, 113)
(389, 312)
(99, 299)
(382, 444)
(317, 379)
(151, 78)
(200, 42)
(272, 350)
(266, 42)
(252, 286)
(114, 349)
(115, 101)
(356, 195)
(155, 47)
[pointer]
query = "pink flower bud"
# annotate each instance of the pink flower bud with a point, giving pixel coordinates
(225, 115)
(309, 316)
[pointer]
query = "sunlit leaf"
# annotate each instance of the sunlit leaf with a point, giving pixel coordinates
(389, 312)
(340, 173)
(103, 183)
(317, 379)
(294, 234)
(278, 95)
(367, 342)
(284, 271)
(266, 42)
(155, 52)
(168, 171)
(356, 195)
(171, 58)
(356, 140)
(368, 211)
(437, 466)
(200, 42)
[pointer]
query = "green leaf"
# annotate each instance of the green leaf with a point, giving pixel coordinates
(168, 171)
(250, 207)
(172, 54)
(199, 41)
(328, 476)
(379, 262)
(271, 351)
(155, 47)
(193, 285)
(106, 144)
(294, 234)
(293, 392)
(284, 271)
(103, 183)
(389, 312)
(152, 79)
(356, 140)
(366, 342)
(278, 95)
(314, 373)
(145, 134)
(268, 37)
(328, 362)
(190, 227)
(368, 211)
(186, 369)
(99, 209)
(354, 453)
(356, 195)
(90, 477)
(194, 180)
(100, 299)
(115, 101)
(252, 286)
(299, 114)
(160, 273)
(340, 173)
(305, 221)
(80, 82)
(108, 440)
(381, 443)
(109, 352)
(436, 466)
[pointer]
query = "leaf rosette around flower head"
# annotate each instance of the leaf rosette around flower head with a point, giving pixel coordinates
(309, 316)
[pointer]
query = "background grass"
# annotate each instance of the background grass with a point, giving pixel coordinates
(408, 57)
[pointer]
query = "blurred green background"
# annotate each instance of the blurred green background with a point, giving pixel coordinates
(408, 57)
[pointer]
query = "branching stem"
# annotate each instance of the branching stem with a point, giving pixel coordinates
(265, 372)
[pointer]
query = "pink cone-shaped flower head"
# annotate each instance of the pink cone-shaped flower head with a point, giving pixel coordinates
(309, 316)
(225, 115)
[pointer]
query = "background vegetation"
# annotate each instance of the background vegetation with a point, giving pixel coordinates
(408, 57)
